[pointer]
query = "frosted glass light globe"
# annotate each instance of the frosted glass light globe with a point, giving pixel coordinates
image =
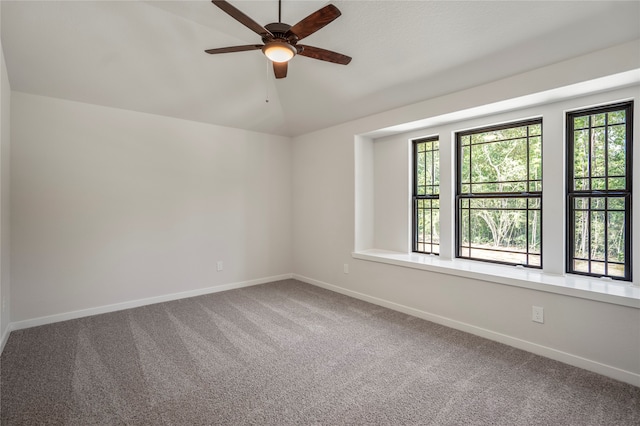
(278, 51)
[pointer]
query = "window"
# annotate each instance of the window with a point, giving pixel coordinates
(386, 186)
(599, 142)
(426, 184)
(499, 194)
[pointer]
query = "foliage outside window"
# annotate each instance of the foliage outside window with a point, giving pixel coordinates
(426, 196)
(499, 194)
(599, 142)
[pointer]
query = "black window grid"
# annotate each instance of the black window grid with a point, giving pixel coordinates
(599, 266)
(426, 202)
(532, 258)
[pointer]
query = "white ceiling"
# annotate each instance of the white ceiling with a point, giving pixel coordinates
(148, 56)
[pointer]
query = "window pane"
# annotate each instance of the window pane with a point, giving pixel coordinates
(435, 218)
(535, 163)
(496, 256)
(420, 174)
(428, 172)
(617, 154)
(499, 228)
(499, 203)
(535, 130)
(597, 231)
(617, 117)
(598, 203)
(599, 153)
(502, 229)
(535, 260)
(581, 203)
(598, 268)
(615, 236)
(581, 122)
(581, 236)
(427, 223)
(615, 270)
(497, 219)
(464, 227)
(581, 266)
(535, 236)
(465, 176)
(426, 179)
(617, 204)
(581, 184)
(617, 184)
(503, 160)
(535, 186)
(598, 184)
(502, 163)
(597, 120)
(581, 155)
(497, 187)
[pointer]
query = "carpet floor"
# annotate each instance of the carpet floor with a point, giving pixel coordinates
(288, 353)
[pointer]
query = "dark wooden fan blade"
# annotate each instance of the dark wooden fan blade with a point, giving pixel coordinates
(315, 21)
(324, 55)
(242, 18)
(280, 69)
(235, 48)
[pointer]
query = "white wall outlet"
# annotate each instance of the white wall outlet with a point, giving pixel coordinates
(4, 304)
(219, 266)
(346, 268)
(537, 314)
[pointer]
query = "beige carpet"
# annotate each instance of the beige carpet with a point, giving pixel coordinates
(289, 353)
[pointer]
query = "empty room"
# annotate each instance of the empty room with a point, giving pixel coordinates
(283, 212)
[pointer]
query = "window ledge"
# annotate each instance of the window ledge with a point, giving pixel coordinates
(597, 289)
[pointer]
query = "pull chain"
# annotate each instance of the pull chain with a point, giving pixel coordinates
(266, 82)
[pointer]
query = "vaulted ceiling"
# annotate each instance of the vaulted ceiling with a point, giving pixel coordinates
(148, 56)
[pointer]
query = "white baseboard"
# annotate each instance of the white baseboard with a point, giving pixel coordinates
(567, 358)
(19, 325)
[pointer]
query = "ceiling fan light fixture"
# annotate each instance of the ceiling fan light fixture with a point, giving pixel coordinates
(280, 40)
(278, 51)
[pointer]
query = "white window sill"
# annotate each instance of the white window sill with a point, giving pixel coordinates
(601, 290)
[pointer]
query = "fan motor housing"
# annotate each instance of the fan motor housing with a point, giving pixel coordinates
(279, 31)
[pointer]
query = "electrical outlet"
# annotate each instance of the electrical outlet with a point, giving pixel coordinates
(537, 314)
(4, 303)
(219, 266)
(346, 268)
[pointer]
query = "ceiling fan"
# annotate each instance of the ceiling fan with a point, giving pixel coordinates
(281, 40)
